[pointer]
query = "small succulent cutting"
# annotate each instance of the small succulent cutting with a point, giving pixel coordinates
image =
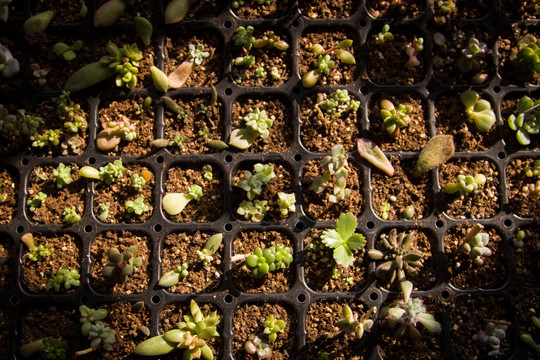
(36, 253)
(475, 245)
(398, 255)
(190, 337)
(271, 259)
(99, 335)
(325, 62)
(261, 344)
(334, 175)
(394, 118)
(469, 61)
(172, 277)
(252, 183)
(465, 184)
(343, 239)
(109, 173)
(174, 203)
(181, 74)
(51, 348)
(332, 106)
(437, 151)
(478, 110)
(492, 336)
(114, 132)
(122, 265)
(526, 56)
(258, 125)
(527, 121)
(210, 248)
(351, 324)
(64, 278)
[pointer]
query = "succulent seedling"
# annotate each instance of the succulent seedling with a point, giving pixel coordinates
(208, 175)
(384, 35)
(49, 138)
(343, 239)
(37, 23)
(253, 210)
(333, 106)
(122, 265)
(492, 336)
(68, 52)
(465, 184)
(286, 203)
(137, 206)
(4, 10)
(412, 51)
(9, 66)
(210, 248)
(394, 118)
(252, 183)
(437, 151)
(407, 313)
(190, 336)
(70, 215)
(144, 29)
(177, 10)
(51, 348)
(469, 61)
(475, 245)
(526, 57)
(478, 110)
(446, 6)
(261, 344)
(109, 173)
(527, 121)
(335, 173)
(398, 254)
(137, 182)
(35, 253)
(99, 335)
(527, 338)
(64, 278)
(325, 62)
(374, 155)
(109, 12)
(174, 203)
(533, 171)
(182, 73)
(70, 113)
(36, 201)
(172, 277)
(114, 132)
(258, 124)
(104, 211)
(350, 324)
(62, 176)
(271, 259)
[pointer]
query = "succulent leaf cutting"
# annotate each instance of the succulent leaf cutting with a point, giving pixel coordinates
(351, 324)
(274, 258)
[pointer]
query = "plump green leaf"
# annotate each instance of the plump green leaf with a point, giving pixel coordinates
(243, 138)
(156, 345)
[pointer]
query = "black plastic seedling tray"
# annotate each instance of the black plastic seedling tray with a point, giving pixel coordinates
(227, 298)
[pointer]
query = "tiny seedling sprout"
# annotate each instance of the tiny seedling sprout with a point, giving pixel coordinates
(172, 277)
(475, 245)
(174, 203)
(286, 203)
(465, 184)
(350, 324)
(492, 336)
(478, 110)
(325, 62)
(261, 344)
(274, 258)
(137, 206)
(253, 210)
(526, 56)
(527, 121)
(210, 248)
(394, 118)
(71, 216)
(36, 201)
(384, 35)
(38, 253)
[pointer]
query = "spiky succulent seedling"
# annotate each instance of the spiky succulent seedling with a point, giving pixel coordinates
(465, 184)
(394, 118)
(492, 336)
(122, 265)
(475, 244)
(398, 254)
(343, 239)
(64, 278)
(527, 121)
(274, 258)
(407, 313)
(478, 110)
(191, 336)
(36, 253)
(350, 323)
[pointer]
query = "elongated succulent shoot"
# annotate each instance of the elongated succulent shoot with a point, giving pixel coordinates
(38, 22)
(394, 118)
(190, 336)
(335, 174)
(9, 66)
(258, 124)
(478, 110)
(64, 278)
(398, 254)
(350, 323)
(70, 215)
(252, 183)
(286, 203)
(159, 78)
(36, 201)
(35, 253)
(144, 29)
(50, 347)
(527, 121)
(475, 244)
(407, 313)
(437, 151)
(274, 258)
(253, 210)
(172, 277)
(343, 239)
(62, 176)
(374, 155)
(465, 184)
(122, 265)
(210, 248)
(137, 206)
(526, 57)
(174, 203)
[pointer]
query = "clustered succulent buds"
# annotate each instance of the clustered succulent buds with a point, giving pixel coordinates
(64, 278)
(335, 105)
(258, 125)
(465, 184)
(261, 344)
(122, 265)
(172, 277)
(394, 118)
(50, 347)
(271, 259)
(398, 254)
(526, 57)
(492, 336)
(475, 244)
(99, 335)
(36, 253)
(478, 110)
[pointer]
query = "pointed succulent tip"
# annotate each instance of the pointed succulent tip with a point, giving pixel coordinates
(373, 154)
(161, 83)
(108, 13)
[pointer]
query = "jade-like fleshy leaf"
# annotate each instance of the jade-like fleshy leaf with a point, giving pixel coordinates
(243, 138)
(373, 154)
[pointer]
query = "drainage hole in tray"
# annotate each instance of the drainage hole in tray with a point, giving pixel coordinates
(445, 295)
(364, 90)
(501, 155)
(370, 225)
(374, 296)
(439, 224)
(20, 229)
(155, 299)
(228, 91)
(228, 298)
(91, 160)
(301, 298)
(228, 227)
(25, 161)
(227, 24)
(88, 228)
(299, 226)
(84, 300)
(507, 222)
(14, 300)
(158, 228)
(159, 159)
(297, 157)
(228, 158)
